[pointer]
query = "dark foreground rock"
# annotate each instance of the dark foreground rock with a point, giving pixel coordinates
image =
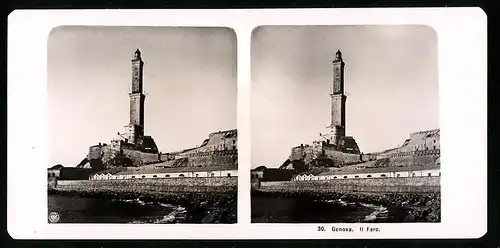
(200, 207)
(411, 207)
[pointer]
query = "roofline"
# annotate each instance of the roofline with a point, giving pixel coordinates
(226, 131)
(176, 170)
(427, 131)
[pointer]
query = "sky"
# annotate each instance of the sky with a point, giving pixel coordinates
(189, 82)
(391, 83)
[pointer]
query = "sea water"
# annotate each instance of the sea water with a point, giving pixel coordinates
(73, 209)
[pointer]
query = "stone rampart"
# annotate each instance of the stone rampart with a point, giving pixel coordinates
(406, 161)
(104, 153)
(305, 153)
(108, 153)
(153, 185)
(214, 158)
(167, 156)
(141, 158)
(213, 153)
(368, 157)
(308, 154)
(367, 185)
(342, 158)
(255, 183)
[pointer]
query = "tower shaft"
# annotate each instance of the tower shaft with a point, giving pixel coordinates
(135, 129)
(338, 99)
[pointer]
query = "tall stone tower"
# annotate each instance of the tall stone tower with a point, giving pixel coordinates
(337, 126)
(135, 129)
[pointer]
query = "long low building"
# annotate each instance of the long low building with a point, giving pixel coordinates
(415, 171)
(173, 172)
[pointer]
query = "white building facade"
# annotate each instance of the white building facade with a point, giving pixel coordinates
(372, 173)
(167, 173)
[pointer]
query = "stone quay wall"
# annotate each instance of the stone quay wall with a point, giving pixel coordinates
(364, 185)
(153, 185)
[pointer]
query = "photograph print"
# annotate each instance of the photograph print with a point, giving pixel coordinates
(345, 124)
(142, 125)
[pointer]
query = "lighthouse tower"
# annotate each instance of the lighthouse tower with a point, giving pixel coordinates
(338, 100)
(135, 129)
(336, 136)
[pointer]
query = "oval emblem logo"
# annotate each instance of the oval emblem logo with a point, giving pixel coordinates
(54, 217)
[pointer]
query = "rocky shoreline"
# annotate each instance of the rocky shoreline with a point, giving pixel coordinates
(200, 207)
(410, 207)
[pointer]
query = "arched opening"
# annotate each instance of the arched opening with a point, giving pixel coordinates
(429, 174)
(334, 177)
(356, 176)
(228, 174)
(143, 176)
(197, 175)
(167, 175)
(383, 175)
(154, 176)
(369, 176)
(212, 174)
(345, 176)
(398, 175)
(181, 175)
(413, 174)
(133, 177)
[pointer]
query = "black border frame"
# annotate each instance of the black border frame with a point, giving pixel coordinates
(491, 8)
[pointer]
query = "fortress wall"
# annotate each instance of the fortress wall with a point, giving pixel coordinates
(372, 185)
(141, 158)
(305, 153)
(368, 157)
(158, 185)
(166, 156)
(107, 154)
(183, 162)
(404, 162)
(414, 153)
(309, 153)
(208, 159)
(200, 161)
(255, 183)
(134, 156)
(297, 153)
(383, 162)
(420, 141)
(426, 160)
(104, 153)
(219, 141)
(148, 158)
(98, 156)
(341, 157)
(95, 152)
(232, 143)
